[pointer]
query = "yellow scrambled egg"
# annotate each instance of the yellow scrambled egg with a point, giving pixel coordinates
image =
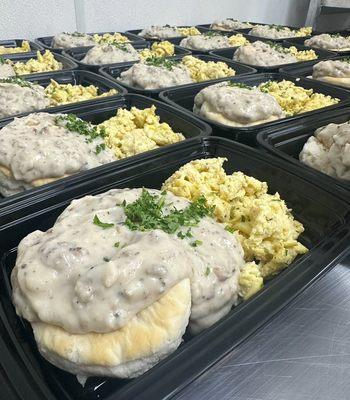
(135, 131)
(43, 63)
(190, 31)
(238, 40)
(302, 55)
(262, 222)
(295, 99)
(108, 38)
(158, 49)
(205, 70)
(304, 31)
(59, 93)
(25, 47)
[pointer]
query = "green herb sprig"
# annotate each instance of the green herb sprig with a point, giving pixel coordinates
(75, 124)
(277, 27)
(211, 34)
(240, 85)
(118, 45)
(147, 213)
(161, 62)
(103, 225)
(2, 60)
(16, 81)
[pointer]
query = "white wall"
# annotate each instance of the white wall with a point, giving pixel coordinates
(33, 18)
(131, 14)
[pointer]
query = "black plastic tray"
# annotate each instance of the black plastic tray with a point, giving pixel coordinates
(305, 69)
(325, 216)
(184, 98)
(229, 52)
(113, 72)
(79, 53)
(288, 142)
(175, 39)
(301, 40)
(46, 41)
(180, 121)
(68, 63)
(18, 43)
(75, 77)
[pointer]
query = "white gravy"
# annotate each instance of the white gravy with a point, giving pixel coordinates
(75, 277)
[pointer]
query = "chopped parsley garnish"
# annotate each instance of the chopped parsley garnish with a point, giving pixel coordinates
(77, 34)
(277, 27)
(16, 81)
(240, 85)
(278, 47)
(116, 244)
(211, 34)
(196, 243)
(183, 235)
(161, 62)
(100, 147)
(207, 271)
(106, 259)
(75, 124)
(229, 229)
(147, 213)
(103, 225)
(265, 87)
(2, 60)
(118, 45)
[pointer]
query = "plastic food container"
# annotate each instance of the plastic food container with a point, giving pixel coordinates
(316, 204)
(229, 52)
(76, 77)
(183, 97)
(174, 39)
(68, 63)
(301, 41)
(288, 142)
(305, 70)
(18, 43)
(46, 41)
(113, 72)
(180, 121)
(79, 53)
(223, 33)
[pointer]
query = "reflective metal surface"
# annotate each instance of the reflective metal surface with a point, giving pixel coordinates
(301, 354)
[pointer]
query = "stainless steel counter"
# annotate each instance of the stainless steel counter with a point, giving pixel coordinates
(301, 354)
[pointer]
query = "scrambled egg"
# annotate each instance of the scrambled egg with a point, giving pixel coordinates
(68, 93)
(108, 38)
(158, 49)
(205, 70)
(302, 55)
(43, 63)
(25, 47)
(304, 31)
(190, 31)
(135, 131)
(262, 222)
(295, 99)
(238, 40)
